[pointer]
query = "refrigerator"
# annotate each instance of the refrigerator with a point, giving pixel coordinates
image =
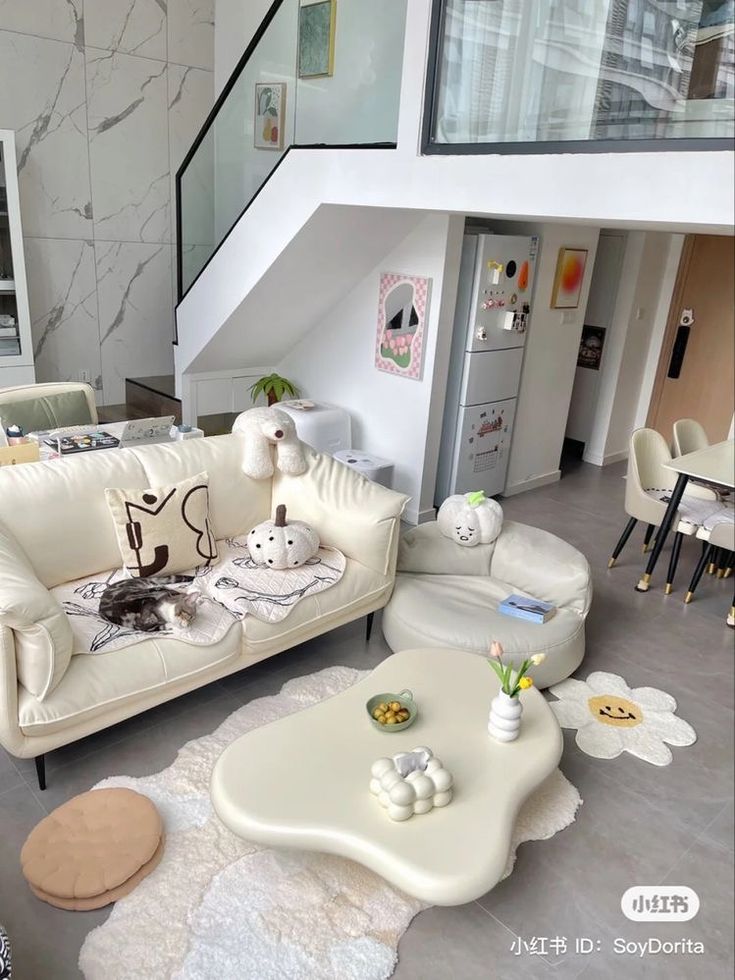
(490, 326)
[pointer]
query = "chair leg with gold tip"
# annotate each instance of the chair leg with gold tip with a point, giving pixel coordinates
(623, 541)
(673, 562)
(698, 573)
(647, 539)
(731, 615)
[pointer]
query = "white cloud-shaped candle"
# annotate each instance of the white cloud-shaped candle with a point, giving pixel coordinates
(411, 782)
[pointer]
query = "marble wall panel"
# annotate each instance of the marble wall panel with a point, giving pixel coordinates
(61, 20)
(129, 26)
(128, 147)
(191, 32)
(42, 97)
(136, 317)
(105, 97)
(62, 294)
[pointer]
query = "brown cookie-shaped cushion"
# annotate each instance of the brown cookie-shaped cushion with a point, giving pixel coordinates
(92, 844)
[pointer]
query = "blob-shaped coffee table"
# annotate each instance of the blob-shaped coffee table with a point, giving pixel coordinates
(303, 781)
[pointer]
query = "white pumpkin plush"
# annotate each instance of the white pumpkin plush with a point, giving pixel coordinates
(470, 518)
(278, 544)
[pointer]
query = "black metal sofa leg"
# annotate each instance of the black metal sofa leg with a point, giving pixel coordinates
(40, 761)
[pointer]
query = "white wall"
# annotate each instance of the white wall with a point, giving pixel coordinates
(390, 415)
(550, 358)
(600, 313)
(641, 304)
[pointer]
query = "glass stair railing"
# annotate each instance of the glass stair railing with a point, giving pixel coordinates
(317, 74)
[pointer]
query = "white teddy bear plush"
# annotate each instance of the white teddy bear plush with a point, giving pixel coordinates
(263, 428)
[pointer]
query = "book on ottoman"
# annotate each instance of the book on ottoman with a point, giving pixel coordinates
(523, 607)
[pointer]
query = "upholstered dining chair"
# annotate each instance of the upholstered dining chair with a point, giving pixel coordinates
(720, 535)
(48, 406)
(689, 436)
(647, 489)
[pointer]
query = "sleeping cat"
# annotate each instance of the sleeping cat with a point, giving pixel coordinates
(148, 603)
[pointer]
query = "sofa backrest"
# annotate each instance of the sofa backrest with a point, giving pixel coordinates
(56, 510)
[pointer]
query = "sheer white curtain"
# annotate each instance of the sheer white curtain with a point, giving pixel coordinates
(477, 58)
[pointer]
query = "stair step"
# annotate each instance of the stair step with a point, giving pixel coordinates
(153, 396)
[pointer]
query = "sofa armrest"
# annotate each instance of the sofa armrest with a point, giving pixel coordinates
(544, 566)
(350, 513)
(42, 632)
(11, 737)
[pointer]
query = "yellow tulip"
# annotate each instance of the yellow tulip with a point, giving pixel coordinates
(525, 682)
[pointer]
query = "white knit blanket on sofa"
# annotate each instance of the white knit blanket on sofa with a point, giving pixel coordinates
(233, 588)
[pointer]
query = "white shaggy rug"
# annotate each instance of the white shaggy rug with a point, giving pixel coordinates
(612, 718)
(221, 908)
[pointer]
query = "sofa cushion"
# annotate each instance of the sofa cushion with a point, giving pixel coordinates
(165, 529)
(357, 587)
(42, 633)
(460, 612)
(58, 512)
(236, 503)
(94, 685)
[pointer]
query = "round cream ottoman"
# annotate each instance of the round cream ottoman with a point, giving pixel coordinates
(448, 596)
(93, 850)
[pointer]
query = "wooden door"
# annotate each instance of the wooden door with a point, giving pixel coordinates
(696, 370)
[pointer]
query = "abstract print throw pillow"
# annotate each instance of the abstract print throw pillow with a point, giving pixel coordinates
(164, 530)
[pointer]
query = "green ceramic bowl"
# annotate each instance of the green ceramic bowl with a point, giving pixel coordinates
(405, 699)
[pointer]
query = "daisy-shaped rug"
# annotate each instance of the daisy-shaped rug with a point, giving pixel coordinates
(610, 718)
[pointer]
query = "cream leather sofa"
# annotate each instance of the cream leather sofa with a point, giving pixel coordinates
(55, 528)
(447, 596)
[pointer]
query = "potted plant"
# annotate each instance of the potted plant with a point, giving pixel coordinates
(504, 722)
(274, 387)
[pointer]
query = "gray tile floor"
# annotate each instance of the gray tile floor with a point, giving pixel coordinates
(639, 824)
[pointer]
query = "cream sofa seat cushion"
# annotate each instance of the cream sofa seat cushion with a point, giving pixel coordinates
(359, 585)
(460, 611)
(42, 632)
(93, 684)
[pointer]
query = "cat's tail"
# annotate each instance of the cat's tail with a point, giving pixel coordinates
(170, 579)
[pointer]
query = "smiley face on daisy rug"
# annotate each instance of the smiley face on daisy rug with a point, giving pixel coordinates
(612, 718)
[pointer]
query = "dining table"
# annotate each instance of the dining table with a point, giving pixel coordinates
(713, 466)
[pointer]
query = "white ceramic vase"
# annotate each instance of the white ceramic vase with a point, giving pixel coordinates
(504, 722)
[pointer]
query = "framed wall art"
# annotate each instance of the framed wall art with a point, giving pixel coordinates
(590, 347)
(568, 279)
(317, 26)
(403, 305)
(270, 115)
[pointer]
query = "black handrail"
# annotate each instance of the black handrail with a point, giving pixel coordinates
(214, 112)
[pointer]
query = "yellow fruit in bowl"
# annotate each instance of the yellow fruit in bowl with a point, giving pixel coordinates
(377, 713)
(391, 720)
(395, 706)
